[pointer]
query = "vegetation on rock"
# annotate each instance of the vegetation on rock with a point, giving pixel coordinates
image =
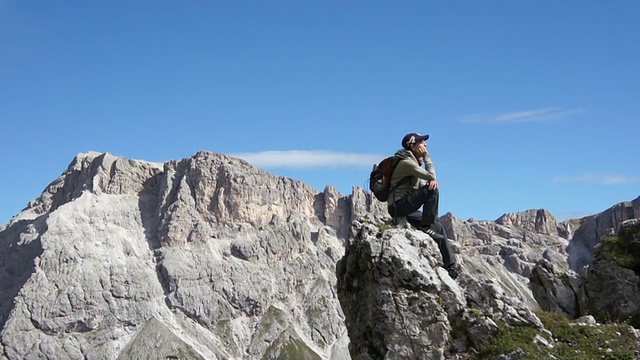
(623, 249)
(563, 340)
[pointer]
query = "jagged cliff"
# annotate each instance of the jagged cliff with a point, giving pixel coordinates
(210, 258)
(400, 304)
(226, 260)
(590, 229)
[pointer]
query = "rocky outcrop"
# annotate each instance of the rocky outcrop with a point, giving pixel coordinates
(538, 221)
(592, 228)
(557, 289)
(155, 338)
(207, 255)
(608, 290)
(399, 302)
(492, 248)
(612, 291)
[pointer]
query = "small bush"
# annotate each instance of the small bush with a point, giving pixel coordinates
(619, 250)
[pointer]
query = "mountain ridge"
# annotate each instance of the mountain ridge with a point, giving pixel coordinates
(83, 156)
(234, 261)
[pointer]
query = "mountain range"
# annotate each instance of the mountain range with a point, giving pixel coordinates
(210, 258)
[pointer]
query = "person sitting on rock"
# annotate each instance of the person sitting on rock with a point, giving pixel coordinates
(414, 187)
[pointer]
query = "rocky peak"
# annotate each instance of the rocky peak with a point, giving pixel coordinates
(95, 173)
(227, 260)
(223, 189)
(221, 260)
(399, 302)
(539, 221)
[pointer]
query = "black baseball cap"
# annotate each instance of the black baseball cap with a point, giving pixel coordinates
(412, 138)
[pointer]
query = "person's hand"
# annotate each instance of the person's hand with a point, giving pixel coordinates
(432, 185)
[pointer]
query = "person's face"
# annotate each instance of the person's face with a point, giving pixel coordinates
(419, 148)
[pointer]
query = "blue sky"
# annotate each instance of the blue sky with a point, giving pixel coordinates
(529, 104)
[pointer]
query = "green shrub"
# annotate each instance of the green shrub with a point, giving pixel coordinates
(620, 250)
(571, 341)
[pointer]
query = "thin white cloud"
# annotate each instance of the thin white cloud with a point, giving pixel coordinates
(571, 215)
(600, 179)
(309, 159)
(526, 116)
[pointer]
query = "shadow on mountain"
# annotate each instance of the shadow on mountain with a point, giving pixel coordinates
(19, 246)
(148, 206)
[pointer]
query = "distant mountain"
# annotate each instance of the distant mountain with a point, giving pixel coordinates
(210, 258)
(205, 255)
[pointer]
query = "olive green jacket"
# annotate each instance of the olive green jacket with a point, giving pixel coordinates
(409, 166)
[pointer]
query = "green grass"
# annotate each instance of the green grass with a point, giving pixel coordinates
(610, 341)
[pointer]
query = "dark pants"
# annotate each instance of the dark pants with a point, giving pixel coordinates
(409, 206)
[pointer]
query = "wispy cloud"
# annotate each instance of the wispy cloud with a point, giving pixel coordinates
(548, 114)
(309, 159)
(572, 215)
(600, 179)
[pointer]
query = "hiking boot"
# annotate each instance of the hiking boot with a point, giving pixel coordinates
(453, 272)
(433, 234)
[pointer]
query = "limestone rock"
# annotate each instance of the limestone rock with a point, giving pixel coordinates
(399, 303)
(557, 289)
(506, 253)
(539, 221)
(610, 290)
(592, 228)
(363, 203)
(606, 291)
(156, 341)
(224, 260)
(210, 257)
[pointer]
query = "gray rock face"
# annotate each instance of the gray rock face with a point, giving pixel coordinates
(210, 258)
(507, 253)
(155, 338)
(538, 221)
(611, 291)
(207, 255)
(606, 290)
(592, 228)
(401, 304)
(557, 289)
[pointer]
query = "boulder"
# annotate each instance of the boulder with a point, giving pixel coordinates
(399, 303)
